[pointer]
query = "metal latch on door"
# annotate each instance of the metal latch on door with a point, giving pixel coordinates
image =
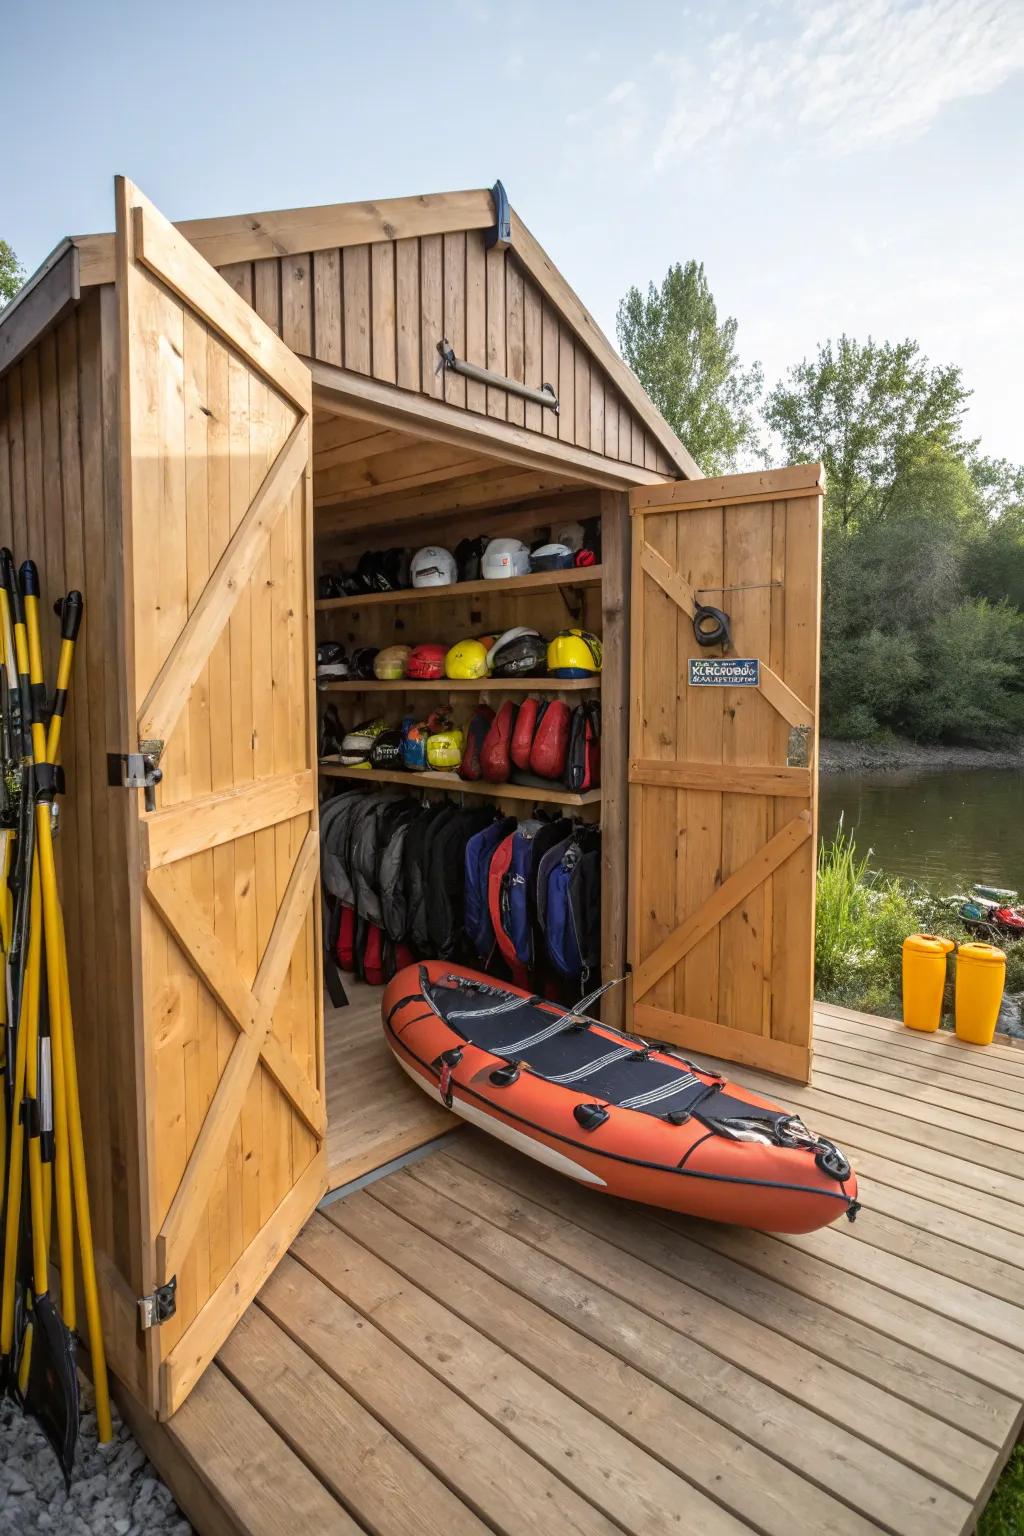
(160, 1305)
(137, 770)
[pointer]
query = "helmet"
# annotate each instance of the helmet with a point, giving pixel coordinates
(389, 664)
(467, 558)
(433, 566)
(426, 662)
(574, 653)
(505, 557)
(552, 557)
(330, 733)
(571, 534)
(516, 653)
(415, 734)
(386, 751)
(357, 745)
(466, 659)
(444, 748)
(362, 661)
(331, 662)
(382, 570)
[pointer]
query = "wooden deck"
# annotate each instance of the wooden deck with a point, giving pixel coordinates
(472, 1344)
(374, 1112)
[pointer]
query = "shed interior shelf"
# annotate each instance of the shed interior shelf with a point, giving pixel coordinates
(540, 684)
(433, 779)
(537, 581)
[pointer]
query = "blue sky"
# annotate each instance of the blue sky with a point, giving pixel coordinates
(837, 166)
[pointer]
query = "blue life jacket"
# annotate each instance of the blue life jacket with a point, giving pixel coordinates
(477, 913)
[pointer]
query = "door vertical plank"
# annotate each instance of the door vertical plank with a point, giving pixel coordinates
(700, 735)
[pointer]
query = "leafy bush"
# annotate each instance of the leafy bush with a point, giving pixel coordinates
(973, 656)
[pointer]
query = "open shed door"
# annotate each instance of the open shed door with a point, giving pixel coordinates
(722, 770)
(215, 427)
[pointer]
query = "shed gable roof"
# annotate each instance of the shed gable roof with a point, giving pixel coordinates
(255, 236)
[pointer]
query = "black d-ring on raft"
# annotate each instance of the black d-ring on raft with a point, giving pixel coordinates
(711, 626)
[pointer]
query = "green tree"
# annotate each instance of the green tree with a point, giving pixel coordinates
(11, 273)
(686, 360)
(871, 413)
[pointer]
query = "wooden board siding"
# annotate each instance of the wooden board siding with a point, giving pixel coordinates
(472, 1343)
(722, 912)
(380, 309)
(59, 499)
(217, 552)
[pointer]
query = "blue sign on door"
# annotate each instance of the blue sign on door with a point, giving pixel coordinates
(725, 672)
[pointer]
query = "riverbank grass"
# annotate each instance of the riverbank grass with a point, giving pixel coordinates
(863, 917)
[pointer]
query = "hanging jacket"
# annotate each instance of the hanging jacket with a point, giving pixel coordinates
(446, 877)
(477, 864)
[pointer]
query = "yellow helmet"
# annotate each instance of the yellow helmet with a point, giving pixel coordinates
(444, 748)
(466, 659)
(574, 653)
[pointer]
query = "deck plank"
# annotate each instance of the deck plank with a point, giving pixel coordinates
(626, 1483)
(460, 1445)
(718, 1303)
(473, 1343)
(384, 1485)
(707, 1452)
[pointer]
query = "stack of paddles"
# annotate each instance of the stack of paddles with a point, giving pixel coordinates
(43, 1178)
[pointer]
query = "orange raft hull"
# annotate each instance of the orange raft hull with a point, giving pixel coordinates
(684, 1167)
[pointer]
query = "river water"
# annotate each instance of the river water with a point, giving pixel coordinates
(943, 829)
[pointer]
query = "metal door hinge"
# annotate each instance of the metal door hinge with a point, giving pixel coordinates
(137, 770)
(159, 1305)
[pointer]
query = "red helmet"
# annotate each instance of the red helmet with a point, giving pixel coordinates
(426, 661)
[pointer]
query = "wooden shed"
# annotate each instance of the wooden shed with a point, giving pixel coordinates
(196, 422)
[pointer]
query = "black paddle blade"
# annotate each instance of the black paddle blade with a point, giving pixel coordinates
(51, 1396)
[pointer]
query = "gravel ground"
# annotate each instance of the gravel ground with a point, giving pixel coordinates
(115, 1491)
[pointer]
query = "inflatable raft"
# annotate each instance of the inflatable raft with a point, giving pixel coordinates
(620, 1114)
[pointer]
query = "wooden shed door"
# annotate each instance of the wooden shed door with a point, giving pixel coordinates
(215, 425)
(722, 770)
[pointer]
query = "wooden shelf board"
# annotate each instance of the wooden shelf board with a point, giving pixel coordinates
(465, 685)
(537, 581)
(432, 779)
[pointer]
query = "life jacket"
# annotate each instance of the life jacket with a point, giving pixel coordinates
(583, 752)
(418, 846)
(495, 755)
(445, 878)
(345, 949)
(390, 880)
(477, 864)
(550, 740)
(522, 736)
(476, 734)
(497, 901)
(573, 910)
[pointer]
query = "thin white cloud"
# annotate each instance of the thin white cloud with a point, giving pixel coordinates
(847, 76)
(619, 92)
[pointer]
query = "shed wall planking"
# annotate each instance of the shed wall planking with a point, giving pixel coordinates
(381, 309)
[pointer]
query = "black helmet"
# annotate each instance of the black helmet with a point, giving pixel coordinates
(468, 553)
(331, 662)
(330, 733)
(361, 664)
(386, 751)
(518, 653)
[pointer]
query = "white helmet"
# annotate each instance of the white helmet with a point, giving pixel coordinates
(433, 567)
(571, 533)
(505, 557)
